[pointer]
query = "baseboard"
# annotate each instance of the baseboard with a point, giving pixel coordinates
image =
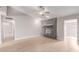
(27, 37)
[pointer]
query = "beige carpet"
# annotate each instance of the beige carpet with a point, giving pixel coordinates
(38, 44)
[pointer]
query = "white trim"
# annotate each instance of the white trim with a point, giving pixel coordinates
(27, 37)
(71, 20)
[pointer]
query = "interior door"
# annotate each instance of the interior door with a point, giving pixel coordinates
(70, 27)
(7, 29)
(70, 33)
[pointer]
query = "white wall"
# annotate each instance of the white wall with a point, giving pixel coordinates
(60, 29)
(26, 26)
(3, 10)
(60, 25)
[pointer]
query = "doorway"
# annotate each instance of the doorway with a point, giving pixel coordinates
(70, 33)
(8, 29)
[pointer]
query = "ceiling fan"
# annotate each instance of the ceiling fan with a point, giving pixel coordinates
(44, 11)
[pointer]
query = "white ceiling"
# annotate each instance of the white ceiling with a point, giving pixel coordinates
(33, 11)
(12, 11)
(58, 11)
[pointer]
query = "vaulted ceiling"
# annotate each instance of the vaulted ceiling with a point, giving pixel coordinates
(33, 11)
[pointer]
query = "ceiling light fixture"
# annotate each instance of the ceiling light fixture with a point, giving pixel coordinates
(44, 11)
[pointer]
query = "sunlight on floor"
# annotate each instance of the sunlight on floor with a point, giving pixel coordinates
(71, 44)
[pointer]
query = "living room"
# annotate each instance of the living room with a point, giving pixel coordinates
(39, 28)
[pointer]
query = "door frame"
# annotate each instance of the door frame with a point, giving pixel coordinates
(69, 20)
(2, 32)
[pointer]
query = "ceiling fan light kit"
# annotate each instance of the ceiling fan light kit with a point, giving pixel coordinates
(44, 11)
